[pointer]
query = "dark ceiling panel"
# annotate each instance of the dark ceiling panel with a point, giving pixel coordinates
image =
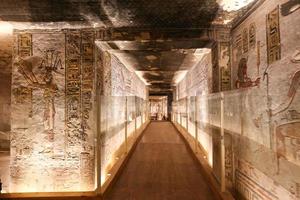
(158, 67)
(114, 13)
(162, 13)
(157, 45)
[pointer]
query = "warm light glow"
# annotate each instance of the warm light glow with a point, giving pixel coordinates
(227, 21)
(233, 5)
(6, 28)
(140, 75)
(179, 76)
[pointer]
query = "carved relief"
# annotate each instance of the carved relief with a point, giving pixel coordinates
(288, 141)
(215, 67)
(243, 79)
(252, 36)
(49, 65)
(296, 56)
(287, 133)
(295, 82)
(273, 36)
(224, 62)
(245, 40)
(87, 78)
(73, 90)
(22, 94)
(79, 95)
(258, 57)
(237, 48)
(86, 172)
(24, 44)
(228, 161)
(252, 184)
(250, 190)
(225, 79)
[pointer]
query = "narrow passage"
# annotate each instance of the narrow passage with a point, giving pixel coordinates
(161, 168)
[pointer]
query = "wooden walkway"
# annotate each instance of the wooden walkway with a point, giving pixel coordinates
(161, 168)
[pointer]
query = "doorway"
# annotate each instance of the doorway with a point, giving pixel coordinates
(159, 108)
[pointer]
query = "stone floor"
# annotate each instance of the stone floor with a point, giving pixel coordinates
(161, 167)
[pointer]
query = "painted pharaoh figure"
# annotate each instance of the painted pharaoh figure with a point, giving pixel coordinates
(243, 80)
(47, 65)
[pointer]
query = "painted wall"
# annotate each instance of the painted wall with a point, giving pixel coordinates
(121, 92)
(117, 79)
(198, 80)
(52, 139)
(268, 41)
(262, 112)
(125, 82)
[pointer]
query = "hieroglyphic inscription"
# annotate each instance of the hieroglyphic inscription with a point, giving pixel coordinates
(79, 89)
(238, 46)
(258, 57)
(224, 63)
(73, 90)
(252, 36)
(87, 77)
(24, 94)
(250, 190)
(273, 36)
(25, 44)
(225, 79)
(245, 40)
(215, 65)
(228, 161)
(21, 93)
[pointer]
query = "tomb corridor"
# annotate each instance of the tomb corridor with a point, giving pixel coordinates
(150, 100)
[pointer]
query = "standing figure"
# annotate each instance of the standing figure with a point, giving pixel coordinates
(50, 90)
(47, 65)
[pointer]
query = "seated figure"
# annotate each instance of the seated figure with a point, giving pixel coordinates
(243, 79)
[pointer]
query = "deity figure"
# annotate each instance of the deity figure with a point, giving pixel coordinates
(49, 64)
(243, 79)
